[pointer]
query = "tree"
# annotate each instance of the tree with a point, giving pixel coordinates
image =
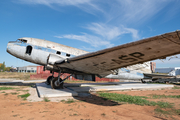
(2, 68)
(7, 68)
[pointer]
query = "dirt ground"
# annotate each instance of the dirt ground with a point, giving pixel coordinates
(90, 107)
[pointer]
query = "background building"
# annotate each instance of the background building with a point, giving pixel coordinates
(170, 71)
(27, 69)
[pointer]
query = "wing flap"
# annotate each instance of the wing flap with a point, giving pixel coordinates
(103, 61)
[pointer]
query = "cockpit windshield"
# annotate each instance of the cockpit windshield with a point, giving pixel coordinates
(21, 41)
(18, 41)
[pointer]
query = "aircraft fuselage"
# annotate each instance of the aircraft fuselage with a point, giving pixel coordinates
(47, 53)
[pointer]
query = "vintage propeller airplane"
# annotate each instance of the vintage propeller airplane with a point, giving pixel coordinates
(103, 63)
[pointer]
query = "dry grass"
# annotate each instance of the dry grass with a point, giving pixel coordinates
(161, 73)
(15, 75)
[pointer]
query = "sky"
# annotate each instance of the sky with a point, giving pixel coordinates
(89, 25)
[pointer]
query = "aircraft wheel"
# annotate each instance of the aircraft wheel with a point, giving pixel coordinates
(48, 81)
(143, 81)
(55, 84)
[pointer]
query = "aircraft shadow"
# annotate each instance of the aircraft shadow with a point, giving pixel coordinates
(95, 99)
(90, 97)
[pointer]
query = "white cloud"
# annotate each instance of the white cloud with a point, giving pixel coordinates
(134, 32)
(90, 39)
(104, 33)
(115, 15)
(133, 11)
(60, 2)
(108, 32)
(124, 11)
(85, 5)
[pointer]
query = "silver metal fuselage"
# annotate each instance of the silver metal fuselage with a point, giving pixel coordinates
(43, 52)
(40, 55)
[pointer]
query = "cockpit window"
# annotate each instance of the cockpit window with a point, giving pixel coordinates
(29, 50)
(22, 40)
(18, 41)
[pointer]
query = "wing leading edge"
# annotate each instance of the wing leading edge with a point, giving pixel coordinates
(103, 61)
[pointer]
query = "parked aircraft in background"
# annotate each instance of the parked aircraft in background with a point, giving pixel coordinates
(104, 63)
(134, 75)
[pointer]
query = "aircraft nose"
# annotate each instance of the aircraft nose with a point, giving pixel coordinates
(9, 48)
(15, 49)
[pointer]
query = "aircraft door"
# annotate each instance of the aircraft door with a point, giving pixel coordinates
(29, 50)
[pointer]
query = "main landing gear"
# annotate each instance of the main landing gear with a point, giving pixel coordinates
(48, 81)
(56, 82)
(143, 81)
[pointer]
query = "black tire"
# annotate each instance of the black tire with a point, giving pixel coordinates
(143, 81)
(48, 81)
(154, 79)
(54, 85)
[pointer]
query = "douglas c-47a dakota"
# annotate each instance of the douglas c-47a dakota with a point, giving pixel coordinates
(103, 63)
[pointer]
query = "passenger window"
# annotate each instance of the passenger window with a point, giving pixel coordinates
(28, 50)
(58, 52)
(68, 55)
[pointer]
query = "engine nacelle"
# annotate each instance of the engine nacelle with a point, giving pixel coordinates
(52, 58)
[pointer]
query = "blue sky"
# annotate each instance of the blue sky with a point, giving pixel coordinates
(90, 25)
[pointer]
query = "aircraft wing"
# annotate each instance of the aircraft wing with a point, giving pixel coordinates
(103, 61)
